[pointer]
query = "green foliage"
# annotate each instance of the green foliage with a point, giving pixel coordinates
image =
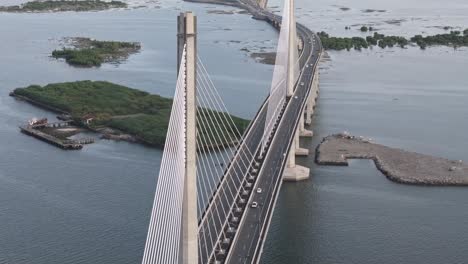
(454, 38)
(96, 52)
(64, 5)
(342, 43)
(151, 129)
(84, 57)
(371, 40)
(132, 111)
(335, 43)
(391, 41)
(364, 29)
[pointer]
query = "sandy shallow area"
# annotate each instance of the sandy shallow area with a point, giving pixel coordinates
(397, 164)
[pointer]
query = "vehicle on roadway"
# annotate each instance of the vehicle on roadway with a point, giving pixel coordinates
(254, 205)
(259, 190)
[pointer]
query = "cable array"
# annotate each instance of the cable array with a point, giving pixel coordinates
(224, 160)
(163, 239)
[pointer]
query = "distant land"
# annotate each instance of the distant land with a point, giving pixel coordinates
(86, 52)
(62, 6)
(452, 39)
(116, 111)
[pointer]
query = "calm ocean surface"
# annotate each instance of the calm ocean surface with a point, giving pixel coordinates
(93, 206)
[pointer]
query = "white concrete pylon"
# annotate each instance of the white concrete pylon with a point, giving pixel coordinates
(293, 54)
(312, 99)
(303, 132)
(187, 37)
(294, 172)
(286, 70)
(299, 151)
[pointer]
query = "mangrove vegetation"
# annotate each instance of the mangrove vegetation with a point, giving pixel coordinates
(86, 52)
(103, 105)
(453, 39)
(63, 5)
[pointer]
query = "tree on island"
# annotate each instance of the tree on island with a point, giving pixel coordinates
(453, 39)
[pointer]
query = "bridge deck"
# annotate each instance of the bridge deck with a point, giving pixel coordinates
(246, 238)
(250, 236)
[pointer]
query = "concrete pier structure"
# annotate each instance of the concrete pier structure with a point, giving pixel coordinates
(294, 172)
(186, 40)
(299, 151)
(292, 57)
(310, 108)
(303, 132)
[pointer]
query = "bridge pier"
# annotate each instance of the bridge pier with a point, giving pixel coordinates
(310, 108)
(186, 37)
(293, 171)
(302, 130)
(299, 151)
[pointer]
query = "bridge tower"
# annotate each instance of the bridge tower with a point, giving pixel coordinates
(173, 228)
(187, 38)
(293, 56)
(294, 172)
(311, 100)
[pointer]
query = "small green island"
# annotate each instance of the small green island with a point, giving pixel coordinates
(453, 39)
(116, 111)
(63, 6)
(86, 52)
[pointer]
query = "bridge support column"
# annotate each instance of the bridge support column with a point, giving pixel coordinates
(310, 108)
(187, 37)
(294, 172)
(299, 151)
(292, 69)
(304, 132)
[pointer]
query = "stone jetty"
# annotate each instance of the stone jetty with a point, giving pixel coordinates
(397, 164)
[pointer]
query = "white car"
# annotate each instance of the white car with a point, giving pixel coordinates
(259, 190)
(254, 205)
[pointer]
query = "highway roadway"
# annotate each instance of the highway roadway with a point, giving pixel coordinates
(245, 238)
(251, 233)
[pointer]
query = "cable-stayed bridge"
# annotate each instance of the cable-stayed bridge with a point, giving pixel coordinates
(219, 182)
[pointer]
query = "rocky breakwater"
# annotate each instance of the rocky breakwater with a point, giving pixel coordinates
(397, 164)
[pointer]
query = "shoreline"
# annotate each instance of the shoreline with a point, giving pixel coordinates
(397, 165)
(110, 136)
(110, 133)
